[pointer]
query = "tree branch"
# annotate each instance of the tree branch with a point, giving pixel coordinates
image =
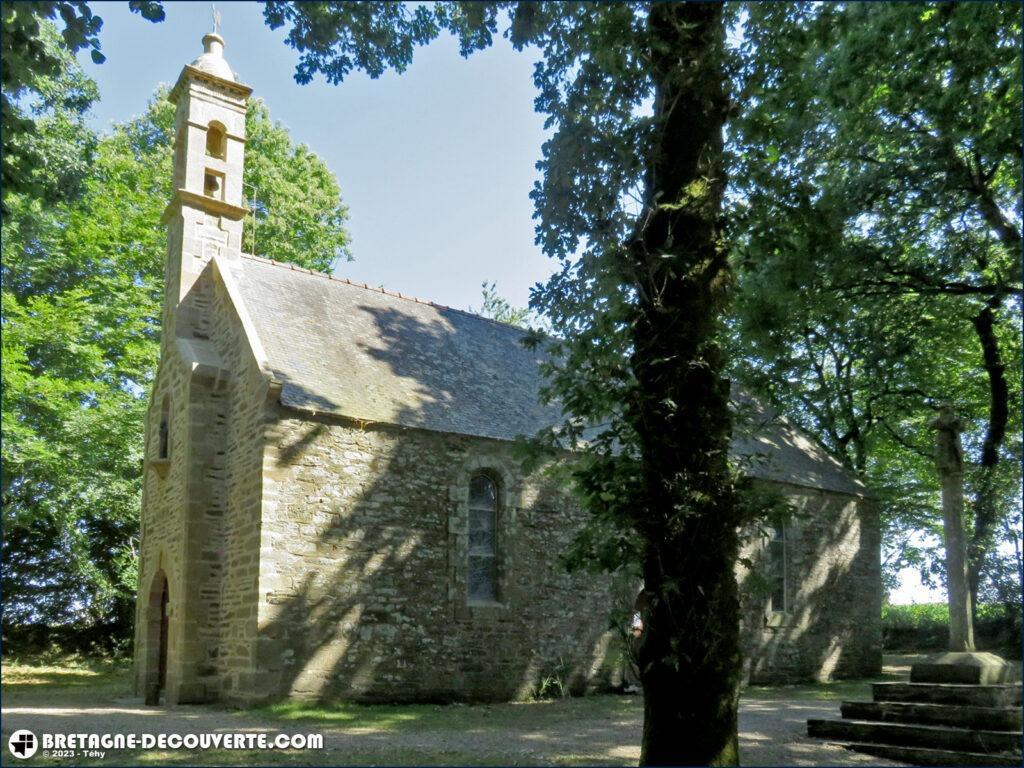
(882, 287)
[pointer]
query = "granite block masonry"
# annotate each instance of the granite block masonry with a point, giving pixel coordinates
(332, 508)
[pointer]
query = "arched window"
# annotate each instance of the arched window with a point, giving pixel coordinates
(163, 450)
(777, 567)
(216, 143)
(483, 549)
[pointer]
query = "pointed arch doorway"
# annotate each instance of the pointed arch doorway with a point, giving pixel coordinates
(157, 630)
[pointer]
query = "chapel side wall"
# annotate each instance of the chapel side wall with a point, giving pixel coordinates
(162, 540)
(362, 584)
(833, 627)
(238, 471)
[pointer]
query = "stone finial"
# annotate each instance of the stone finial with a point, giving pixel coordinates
(212, 58)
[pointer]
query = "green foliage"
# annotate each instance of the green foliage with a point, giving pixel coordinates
(46, 146)
(554, 682)
(337, 38)
(298, 213)
(497, 307)
(629, 203)
(36, 93)
(925, 627)
(877, 209)
(1004, 568)
(82, 296)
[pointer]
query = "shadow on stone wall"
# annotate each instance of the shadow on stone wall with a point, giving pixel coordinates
(833, 628)
(357, 599)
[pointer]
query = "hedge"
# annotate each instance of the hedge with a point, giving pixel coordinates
(92, 640)
(925, 627)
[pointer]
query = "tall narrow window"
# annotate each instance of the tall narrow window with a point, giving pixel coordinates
(483, 519)
(164, 433)
(776, 566)
(215, 140)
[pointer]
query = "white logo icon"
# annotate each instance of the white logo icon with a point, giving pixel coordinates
(23, 744)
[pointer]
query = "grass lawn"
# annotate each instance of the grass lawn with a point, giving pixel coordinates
(460, 717)
(894, 668)
(39, 681)
(53, 695)
(414, 734)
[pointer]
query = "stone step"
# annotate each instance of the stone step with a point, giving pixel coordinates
(986, 718)
(949, 693)
(927, 756)
(931, 736)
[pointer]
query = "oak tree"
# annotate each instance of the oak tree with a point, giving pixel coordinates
(637, 97)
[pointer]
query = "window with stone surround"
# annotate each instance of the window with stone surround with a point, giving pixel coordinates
(483, 539)
(163, 445)
(776, 567)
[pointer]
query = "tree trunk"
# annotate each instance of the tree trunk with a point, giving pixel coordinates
(1007, 233)
(986, 510)
(686, 517)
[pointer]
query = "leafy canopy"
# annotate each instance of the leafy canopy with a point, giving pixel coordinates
(34, 56)
(877, 203)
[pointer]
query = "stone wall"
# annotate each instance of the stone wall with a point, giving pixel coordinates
(201, 506)
(232, 514)
(164, 498)
(312, 557)
(201, 501)
(328, 560)
(832, 627)
(362, 574)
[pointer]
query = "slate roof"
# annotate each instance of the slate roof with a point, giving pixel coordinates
(778, 450)
(346, 349)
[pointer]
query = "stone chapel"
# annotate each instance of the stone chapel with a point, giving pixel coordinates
(331, 507)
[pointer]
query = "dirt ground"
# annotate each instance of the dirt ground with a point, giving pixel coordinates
(595, 730)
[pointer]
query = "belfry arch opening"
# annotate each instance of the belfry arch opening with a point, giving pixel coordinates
(216, 140)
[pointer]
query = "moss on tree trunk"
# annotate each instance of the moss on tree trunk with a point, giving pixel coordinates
(687, 516)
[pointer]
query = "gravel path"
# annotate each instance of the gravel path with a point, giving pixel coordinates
(772, 732)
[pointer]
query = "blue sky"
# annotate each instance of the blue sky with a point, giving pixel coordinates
(435, 164)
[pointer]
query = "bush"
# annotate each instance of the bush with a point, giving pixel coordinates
(95, 640)
(925, 627)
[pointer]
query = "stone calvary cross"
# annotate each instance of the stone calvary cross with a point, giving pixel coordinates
(949, 461)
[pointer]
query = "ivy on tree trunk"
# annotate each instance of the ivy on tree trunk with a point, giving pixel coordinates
(686, 515)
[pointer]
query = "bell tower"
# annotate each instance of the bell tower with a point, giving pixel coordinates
(205, 215)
